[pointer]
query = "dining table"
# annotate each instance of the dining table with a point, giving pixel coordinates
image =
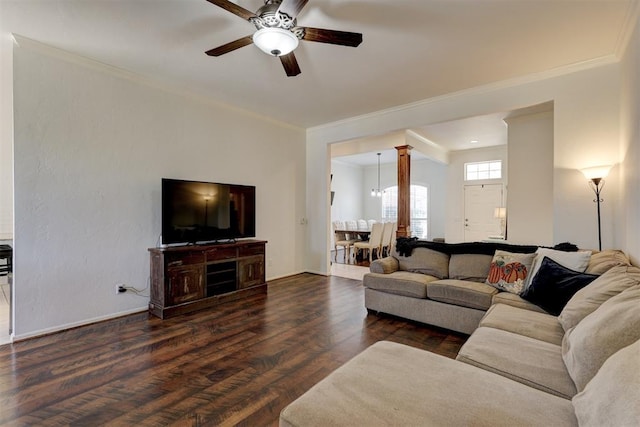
(361, 234)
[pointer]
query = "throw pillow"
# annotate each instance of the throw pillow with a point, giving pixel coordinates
(589, 298)
(613, 326)
(508, 271)
(554, 285)
(612, 397)
(577, 261)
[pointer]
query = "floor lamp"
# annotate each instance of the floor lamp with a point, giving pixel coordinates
(595, 176)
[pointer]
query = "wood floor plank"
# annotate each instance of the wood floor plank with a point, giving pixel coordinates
(239, 363)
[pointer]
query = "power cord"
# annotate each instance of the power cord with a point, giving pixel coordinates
(136, 291)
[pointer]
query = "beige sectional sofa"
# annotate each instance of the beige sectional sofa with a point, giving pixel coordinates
(520, 367)
(440, 284)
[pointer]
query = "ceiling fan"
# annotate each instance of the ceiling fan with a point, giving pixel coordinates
(277, 33)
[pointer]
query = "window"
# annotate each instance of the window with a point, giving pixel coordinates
(418, 209)
(483, 170)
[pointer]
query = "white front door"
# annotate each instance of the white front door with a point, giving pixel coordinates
(480, 202)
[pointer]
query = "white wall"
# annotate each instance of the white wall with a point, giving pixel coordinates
(6, 136)
(586, 113)
(91, 145)
(347, 184)
(454, 231)
(372, 206)
(530, 172)
(628, 212)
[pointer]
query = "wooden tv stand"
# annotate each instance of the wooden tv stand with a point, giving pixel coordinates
(188, 278)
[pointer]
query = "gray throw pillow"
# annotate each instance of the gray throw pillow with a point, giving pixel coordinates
(614, 325)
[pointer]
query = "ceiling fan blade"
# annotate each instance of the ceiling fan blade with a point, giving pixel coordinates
(343, 38)
(290, 64)
(291, 8)
(234, 8)
(229, 47)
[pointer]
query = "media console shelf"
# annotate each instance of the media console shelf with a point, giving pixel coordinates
(188, 278)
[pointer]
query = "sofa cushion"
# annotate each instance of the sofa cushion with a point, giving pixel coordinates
(535, 363)
(554, 285)
(540, 326)
(425, 261)
(384, 265)
(587, 299)
(391, 384)
(602, 262)
(508, 271)
(399, 283)
(612, 397)
(474, 267)
(461, 292)
(577, 261)
(516, 301)
(614, 325)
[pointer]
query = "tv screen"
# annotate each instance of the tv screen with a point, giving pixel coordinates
(194, 211)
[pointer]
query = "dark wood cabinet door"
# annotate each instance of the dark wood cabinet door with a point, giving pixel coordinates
(251, 271)
(184, 284)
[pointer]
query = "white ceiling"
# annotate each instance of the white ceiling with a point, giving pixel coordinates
(412, 49)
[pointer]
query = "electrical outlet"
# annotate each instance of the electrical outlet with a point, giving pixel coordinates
(120, 288)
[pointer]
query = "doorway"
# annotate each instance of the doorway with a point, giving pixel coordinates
(6, 275)
(480, 203)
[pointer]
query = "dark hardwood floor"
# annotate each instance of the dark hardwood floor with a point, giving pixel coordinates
(237, 364)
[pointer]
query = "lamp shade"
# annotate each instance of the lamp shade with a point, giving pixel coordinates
(500, 213)
(275, 41)
(596, 172)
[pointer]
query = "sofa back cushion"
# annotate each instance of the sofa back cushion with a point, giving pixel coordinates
(473, 267)
(611, 327)
(602, 262)
(425, 261)
(589, 298)
(612, 397)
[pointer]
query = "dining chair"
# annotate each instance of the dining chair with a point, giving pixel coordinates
(387, 232)
(340, 238)
(351, 224)
(362, 224)
(370, 223)
(374, 242)
(394, 235)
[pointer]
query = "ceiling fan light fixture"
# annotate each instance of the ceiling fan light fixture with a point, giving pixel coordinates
(275, 41)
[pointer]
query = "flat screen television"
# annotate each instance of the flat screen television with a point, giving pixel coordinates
(196, 211)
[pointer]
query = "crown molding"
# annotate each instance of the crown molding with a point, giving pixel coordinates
(42, 48)
(629, 26)
(477, 90)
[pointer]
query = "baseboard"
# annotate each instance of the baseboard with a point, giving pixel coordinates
(284, 276)
(55, 329)
(66, 326)
(319, 273)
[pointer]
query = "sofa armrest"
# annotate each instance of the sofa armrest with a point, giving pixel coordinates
(384, 266)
